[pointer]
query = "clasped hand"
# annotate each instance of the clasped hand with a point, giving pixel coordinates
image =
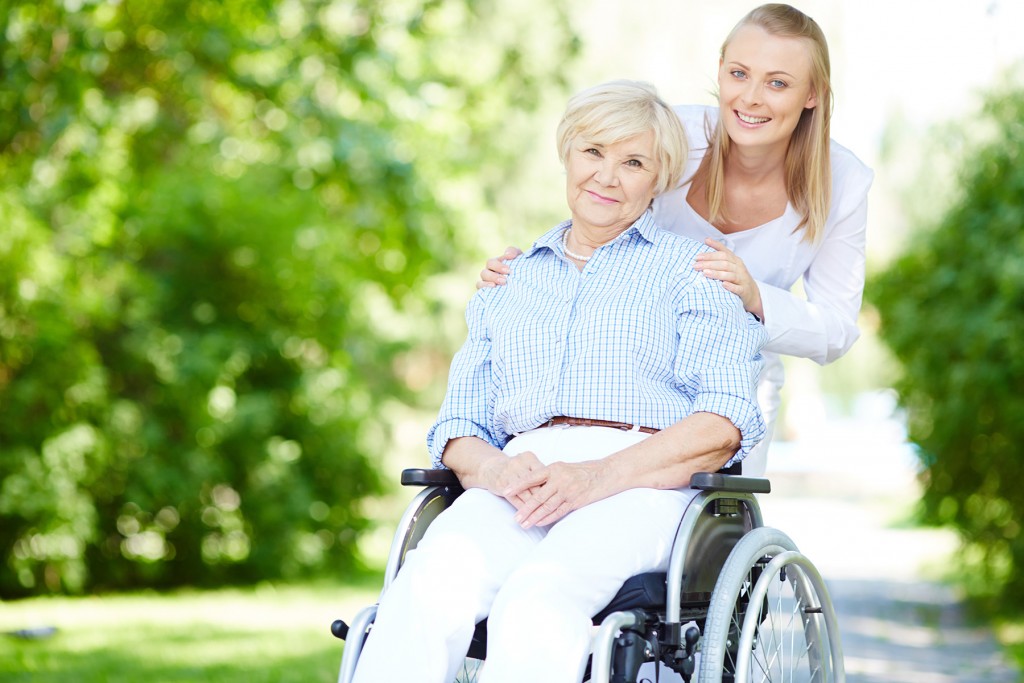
(543, 494)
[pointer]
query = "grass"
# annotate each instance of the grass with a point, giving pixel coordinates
(1011, 634)
(272, 634)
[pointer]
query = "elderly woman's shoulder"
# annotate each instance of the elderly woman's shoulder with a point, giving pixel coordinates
(679, 244)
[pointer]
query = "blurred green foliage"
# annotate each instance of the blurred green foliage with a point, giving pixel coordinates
(952, 310)
(216, 214)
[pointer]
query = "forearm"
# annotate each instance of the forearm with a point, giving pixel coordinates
(702, 442)
(807, 329)
(473, 461)
(822, 326)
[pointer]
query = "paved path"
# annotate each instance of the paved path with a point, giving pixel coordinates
(899, 623)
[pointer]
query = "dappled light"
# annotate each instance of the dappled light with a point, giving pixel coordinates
(199, 197)
(952, 309)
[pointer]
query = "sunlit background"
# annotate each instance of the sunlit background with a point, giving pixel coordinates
(901, 70)
(237, 240)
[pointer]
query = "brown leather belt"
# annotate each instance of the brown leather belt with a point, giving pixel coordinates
(586, 422)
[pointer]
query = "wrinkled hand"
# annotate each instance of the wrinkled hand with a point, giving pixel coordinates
(505, 474)
(727, 267)
(496, 270)
(554, 491)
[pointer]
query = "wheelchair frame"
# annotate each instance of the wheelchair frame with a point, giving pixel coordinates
(723, 561)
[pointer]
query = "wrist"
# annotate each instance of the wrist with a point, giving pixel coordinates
(474, 461)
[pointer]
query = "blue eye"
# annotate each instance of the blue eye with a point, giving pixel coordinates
(776, 83)
(737, 73)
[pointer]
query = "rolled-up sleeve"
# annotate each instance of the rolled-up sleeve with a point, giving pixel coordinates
(718, 361)
(467, 407)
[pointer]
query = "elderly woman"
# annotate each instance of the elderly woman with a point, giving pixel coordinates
(588, 391)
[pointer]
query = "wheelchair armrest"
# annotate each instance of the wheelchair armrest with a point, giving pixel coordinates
(429, 477)
(716, 481)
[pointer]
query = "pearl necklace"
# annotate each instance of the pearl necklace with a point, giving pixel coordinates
(565, 248)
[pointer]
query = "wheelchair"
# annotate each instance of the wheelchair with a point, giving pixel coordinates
(738, 603)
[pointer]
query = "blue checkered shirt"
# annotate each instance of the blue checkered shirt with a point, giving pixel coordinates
(637, 336)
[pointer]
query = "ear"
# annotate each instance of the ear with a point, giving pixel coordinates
(812, 101)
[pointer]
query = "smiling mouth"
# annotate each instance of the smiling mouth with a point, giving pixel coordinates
(745, 118)
(601, 198)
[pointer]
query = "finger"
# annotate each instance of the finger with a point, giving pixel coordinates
(498, 265)
(528, 480)
(560, 512)
(715, 244)
(529, 505)
(715, 264)
(720, 275)
(722, 253)
(518, 502)
(548, 508)
(511, 253)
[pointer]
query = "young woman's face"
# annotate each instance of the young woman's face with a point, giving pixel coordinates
(609, 186)
(764, 85)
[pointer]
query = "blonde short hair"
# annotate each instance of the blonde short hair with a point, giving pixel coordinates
(619, 110)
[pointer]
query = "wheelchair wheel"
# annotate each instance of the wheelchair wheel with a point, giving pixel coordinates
(469, 672)
(770, 617)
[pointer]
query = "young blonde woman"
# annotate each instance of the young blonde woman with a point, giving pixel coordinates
(776, 199)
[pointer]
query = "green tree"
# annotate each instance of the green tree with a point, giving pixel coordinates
(952, 310)
(216, 216)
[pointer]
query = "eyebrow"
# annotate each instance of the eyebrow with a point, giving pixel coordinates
(628, 156)
(777, 72)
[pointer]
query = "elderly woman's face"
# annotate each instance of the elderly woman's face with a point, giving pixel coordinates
(609, 186)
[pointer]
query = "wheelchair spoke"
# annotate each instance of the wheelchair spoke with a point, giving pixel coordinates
(777, 628)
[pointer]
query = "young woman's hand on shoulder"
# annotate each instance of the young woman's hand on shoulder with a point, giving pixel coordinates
(496, 269)
(728, 268)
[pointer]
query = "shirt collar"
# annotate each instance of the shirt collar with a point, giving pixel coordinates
(644, 226)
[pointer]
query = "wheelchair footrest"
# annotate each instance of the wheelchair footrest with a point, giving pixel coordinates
(339, 629)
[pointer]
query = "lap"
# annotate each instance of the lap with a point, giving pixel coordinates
(588, 554)
(477, 543)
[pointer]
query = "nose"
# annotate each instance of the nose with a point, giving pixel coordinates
(752, 93)
(607, 172)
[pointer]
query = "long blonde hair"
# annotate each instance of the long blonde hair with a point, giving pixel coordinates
(808, 164)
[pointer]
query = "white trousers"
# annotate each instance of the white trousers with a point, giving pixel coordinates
(538, 588)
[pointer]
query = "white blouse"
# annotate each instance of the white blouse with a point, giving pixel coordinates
(823, 326)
